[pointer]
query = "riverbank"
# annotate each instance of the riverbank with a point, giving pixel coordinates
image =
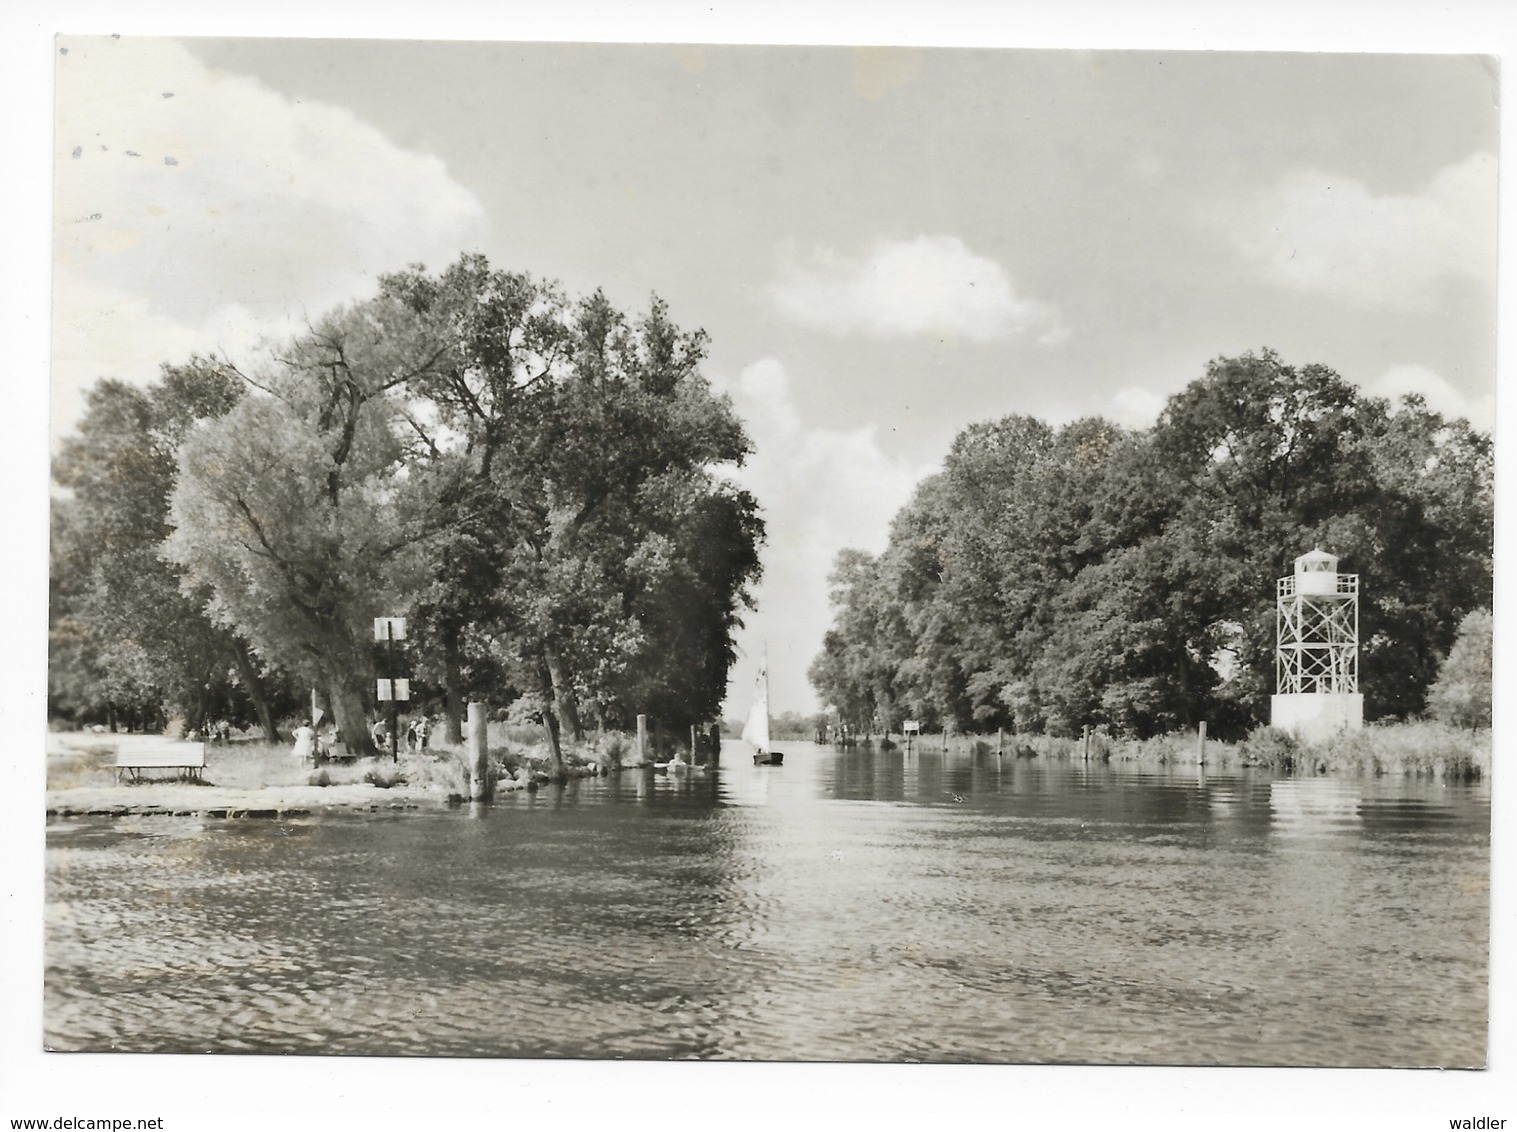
(1421, 749)
(251, 779)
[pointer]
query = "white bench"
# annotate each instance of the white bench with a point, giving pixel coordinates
(167, 754)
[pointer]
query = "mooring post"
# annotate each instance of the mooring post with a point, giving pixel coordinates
(1000, 741)
(692, 744)
(716, 744)
(1085, 744)
(1201, 744)
(480, 785)
(642, 739)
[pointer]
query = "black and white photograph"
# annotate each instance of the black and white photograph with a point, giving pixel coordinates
(653, 553)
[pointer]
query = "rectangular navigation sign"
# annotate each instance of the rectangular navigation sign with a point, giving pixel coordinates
(394, 690)
(389, 628)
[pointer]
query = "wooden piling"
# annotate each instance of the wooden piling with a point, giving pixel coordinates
(716, 744)
(1000, 741)
(481, 783)
(642, 739)
(692, 744)
(1085, 744)
(1201, 744)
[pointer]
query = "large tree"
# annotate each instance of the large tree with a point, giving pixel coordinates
(297, 510)
(129, 637)
(602, 560)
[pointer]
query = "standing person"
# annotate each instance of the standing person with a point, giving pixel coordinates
(305, 741)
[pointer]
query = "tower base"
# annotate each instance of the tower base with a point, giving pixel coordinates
(1317, 715)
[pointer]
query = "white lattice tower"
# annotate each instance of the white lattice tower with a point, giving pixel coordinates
(1317, 629)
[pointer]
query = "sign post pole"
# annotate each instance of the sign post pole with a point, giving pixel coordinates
(389, 630)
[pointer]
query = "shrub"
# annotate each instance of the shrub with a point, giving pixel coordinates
(1271, 747)
(320, 778)
(1461, 696)
(613, 748)
(384, 777)
(440, 770)
(1435, 749)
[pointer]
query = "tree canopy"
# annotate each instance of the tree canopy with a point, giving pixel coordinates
(127, 638)
(1051, 578)
(539, 482)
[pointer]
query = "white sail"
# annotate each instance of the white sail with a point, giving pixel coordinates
(756, 730)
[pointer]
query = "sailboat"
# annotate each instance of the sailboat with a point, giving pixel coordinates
(756, 730)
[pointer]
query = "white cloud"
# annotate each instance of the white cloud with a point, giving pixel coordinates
(1135, 407)
(197, 210)
(1325, 234)
(821, 490)
(1441, 397)
(930, 286)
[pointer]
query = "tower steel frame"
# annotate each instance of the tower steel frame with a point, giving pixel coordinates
(1317, 638)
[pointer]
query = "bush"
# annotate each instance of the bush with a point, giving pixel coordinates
(1271, 747)
(1461, 696)
(384, 777)
(320, 778)
(441, 770)
(614, 748)
(1164, 750)
(1435, 749)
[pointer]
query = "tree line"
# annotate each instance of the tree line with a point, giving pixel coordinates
(1049, 578)
(540, 483)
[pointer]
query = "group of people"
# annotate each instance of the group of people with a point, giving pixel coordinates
(218, 732)
(417, 731)
(319, 748)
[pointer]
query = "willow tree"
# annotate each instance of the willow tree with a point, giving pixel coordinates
(297, 511)
(126, 629)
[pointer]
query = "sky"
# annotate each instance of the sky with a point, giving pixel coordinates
(884, 244)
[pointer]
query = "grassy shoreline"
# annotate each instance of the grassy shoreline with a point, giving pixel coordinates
(248, 779)
(254, 779)
(1422, 749)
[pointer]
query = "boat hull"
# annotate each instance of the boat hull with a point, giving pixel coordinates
(770, 758)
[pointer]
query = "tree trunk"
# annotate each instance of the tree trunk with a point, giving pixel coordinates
(254, 687)
(565, 706)
(556, 769)
(347, 710)
(453, 692)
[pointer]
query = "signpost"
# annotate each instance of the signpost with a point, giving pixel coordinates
(388, 630)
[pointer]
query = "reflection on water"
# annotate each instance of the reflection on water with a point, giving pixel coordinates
(855, 906)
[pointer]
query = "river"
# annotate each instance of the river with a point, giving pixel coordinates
(855, 906)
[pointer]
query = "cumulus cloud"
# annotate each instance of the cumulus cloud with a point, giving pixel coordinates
(932, 286)
(822, 490)
(1321, 233)
(1136, 407)
(198, 210)
(1399, 381)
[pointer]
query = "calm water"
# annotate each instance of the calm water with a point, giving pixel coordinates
(841, 907)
